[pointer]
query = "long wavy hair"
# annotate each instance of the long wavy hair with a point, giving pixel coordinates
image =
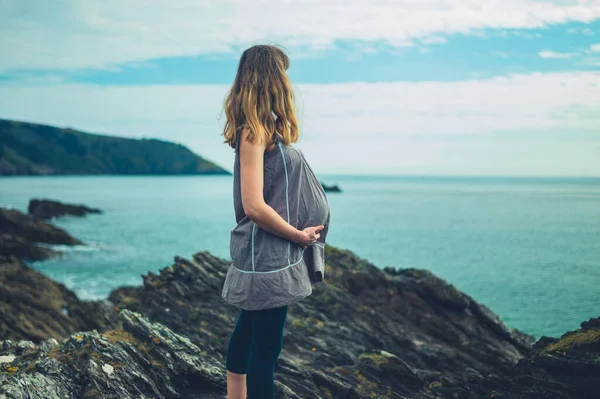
(261, 98)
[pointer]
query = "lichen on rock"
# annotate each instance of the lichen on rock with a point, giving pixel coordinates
(121, 363)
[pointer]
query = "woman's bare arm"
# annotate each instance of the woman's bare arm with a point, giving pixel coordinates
(255, 207)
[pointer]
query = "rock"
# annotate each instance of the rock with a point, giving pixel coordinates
(363, 333)
(20, 234)
(19, 224)
(567, 367)
(48, 209)
(138, 360)
(21, 248)
(186, 298)
(332, 188)
(7, 359)
(35, 308)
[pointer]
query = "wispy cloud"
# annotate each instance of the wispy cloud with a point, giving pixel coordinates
(593, 48)
(584, 31)
(500, 54)
(593, 61)
(100, 34)
(556, 55)
(434, 40)
(592, 55)
(480, 125)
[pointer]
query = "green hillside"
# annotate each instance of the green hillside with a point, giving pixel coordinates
(31, 149)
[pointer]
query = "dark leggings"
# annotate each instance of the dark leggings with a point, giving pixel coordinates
(254, 347)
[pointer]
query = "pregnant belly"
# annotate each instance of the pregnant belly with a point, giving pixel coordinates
(313, 207)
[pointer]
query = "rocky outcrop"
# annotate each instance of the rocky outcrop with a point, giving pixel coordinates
(35, 308)
(21, 248)
(138, 360)
(363, 333)
(48, 209)
(20, 235)
(331, 189)
(563, 368)
(19, 224)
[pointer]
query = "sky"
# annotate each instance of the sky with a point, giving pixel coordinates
(408, 87)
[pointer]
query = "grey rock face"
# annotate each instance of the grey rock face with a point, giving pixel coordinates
(34, 307)
(139, 360)
(20, 235)
(47, 209)
(364, 333)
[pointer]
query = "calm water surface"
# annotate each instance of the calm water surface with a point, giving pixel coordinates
(529, 249)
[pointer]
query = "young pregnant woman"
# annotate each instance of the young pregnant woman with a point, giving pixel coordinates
(277, 247)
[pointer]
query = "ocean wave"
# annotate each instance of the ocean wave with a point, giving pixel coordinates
(73, 248)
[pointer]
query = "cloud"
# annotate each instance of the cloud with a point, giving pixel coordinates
(591, 61)
(594, 48)
(519, 102)
(588, 58)
(501, 54)
(434, 40)
(74, 34)
(555, 55)
(585, 31)
(588, 55)
(522, 124)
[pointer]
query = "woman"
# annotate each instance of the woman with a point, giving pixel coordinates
(282, 214)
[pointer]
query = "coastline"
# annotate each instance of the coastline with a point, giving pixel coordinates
(366, 332)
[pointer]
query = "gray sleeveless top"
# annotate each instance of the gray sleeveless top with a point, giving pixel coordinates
(267, 270)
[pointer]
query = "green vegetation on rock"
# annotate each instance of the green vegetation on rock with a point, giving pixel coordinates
(31, 149)
(577, 338)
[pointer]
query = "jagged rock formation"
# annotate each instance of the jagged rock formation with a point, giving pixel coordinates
(48, 209)
(559, 368)
(138, 360)
(363, 333)
(21, 233)
(35, 308)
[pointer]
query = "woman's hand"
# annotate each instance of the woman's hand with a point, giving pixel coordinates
(308, 235)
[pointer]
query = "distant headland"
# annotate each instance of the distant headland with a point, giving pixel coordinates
(33, 149)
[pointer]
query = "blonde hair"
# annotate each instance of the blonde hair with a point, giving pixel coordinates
(261, 98)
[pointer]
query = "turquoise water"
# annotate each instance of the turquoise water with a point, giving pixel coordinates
(529, 249)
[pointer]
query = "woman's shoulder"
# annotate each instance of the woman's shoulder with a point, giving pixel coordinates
(293, 148)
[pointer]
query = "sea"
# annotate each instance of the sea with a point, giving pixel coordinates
(527, 248)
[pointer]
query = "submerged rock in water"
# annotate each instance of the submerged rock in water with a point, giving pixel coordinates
(138, 360)
(47, 209)
(34, 307)
(21, 233)
(333, 188)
